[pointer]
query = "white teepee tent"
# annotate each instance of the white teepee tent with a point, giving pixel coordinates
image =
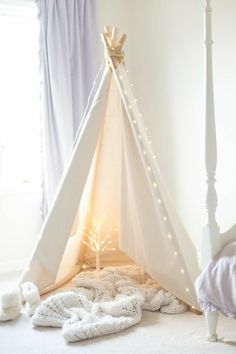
(112, 197)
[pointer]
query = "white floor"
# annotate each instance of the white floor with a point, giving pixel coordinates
(156, 334)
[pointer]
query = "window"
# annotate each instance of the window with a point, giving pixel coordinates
(20, 135)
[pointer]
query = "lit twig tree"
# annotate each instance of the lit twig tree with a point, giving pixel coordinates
(98, 238)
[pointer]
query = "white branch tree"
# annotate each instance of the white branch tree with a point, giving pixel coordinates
(97, 238)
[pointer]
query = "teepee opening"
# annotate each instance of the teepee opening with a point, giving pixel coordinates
(94, 237)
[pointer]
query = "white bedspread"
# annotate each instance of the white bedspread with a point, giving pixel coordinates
(104, 302)
(216, 285)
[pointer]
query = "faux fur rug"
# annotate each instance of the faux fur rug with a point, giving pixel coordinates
(104, 302)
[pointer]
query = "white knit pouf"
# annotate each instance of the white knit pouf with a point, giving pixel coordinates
(10, 305)
(31, 295)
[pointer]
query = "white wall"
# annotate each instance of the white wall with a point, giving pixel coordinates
(165, 58)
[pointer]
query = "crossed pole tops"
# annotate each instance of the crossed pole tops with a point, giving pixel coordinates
(114, 53)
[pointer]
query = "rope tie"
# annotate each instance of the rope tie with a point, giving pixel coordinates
(115, 54)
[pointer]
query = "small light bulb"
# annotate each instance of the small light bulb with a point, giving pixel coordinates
(134, 121)
(187, 290)
(130, 107)
(127, 71)
(131, 85)
(149, 168)
(121, 77)
(164, 218)
(144, 152)
(146, 129)
(140, 137)
(169, 236)
(154, 185)
(159, 201)
(27, 269)
(176, 253)
(182, 270)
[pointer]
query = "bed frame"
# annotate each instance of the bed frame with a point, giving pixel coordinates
(212, 241)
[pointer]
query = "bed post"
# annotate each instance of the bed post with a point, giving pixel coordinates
(211, 243)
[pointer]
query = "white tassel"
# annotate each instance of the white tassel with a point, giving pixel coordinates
(10, 305)
(31, 295)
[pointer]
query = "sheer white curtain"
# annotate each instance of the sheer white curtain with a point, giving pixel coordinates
(69, 62)
(20, 138)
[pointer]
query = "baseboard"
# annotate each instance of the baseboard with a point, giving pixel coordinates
(12, 266)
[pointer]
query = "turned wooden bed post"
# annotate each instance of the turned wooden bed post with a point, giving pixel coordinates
(211, 242)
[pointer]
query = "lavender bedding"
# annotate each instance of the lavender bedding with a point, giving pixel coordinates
(216, 285)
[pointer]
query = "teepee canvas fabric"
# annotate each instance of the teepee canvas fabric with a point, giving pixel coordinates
(113, 190)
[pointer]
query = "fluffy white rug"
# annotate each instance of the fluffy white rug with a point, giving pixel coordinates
(104, 302)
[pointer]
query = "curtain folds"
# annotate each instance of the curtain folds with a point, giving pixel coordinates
(69, 55)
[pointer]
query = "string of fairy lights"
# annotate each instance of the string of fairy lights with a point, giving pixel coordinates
(149, 157)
